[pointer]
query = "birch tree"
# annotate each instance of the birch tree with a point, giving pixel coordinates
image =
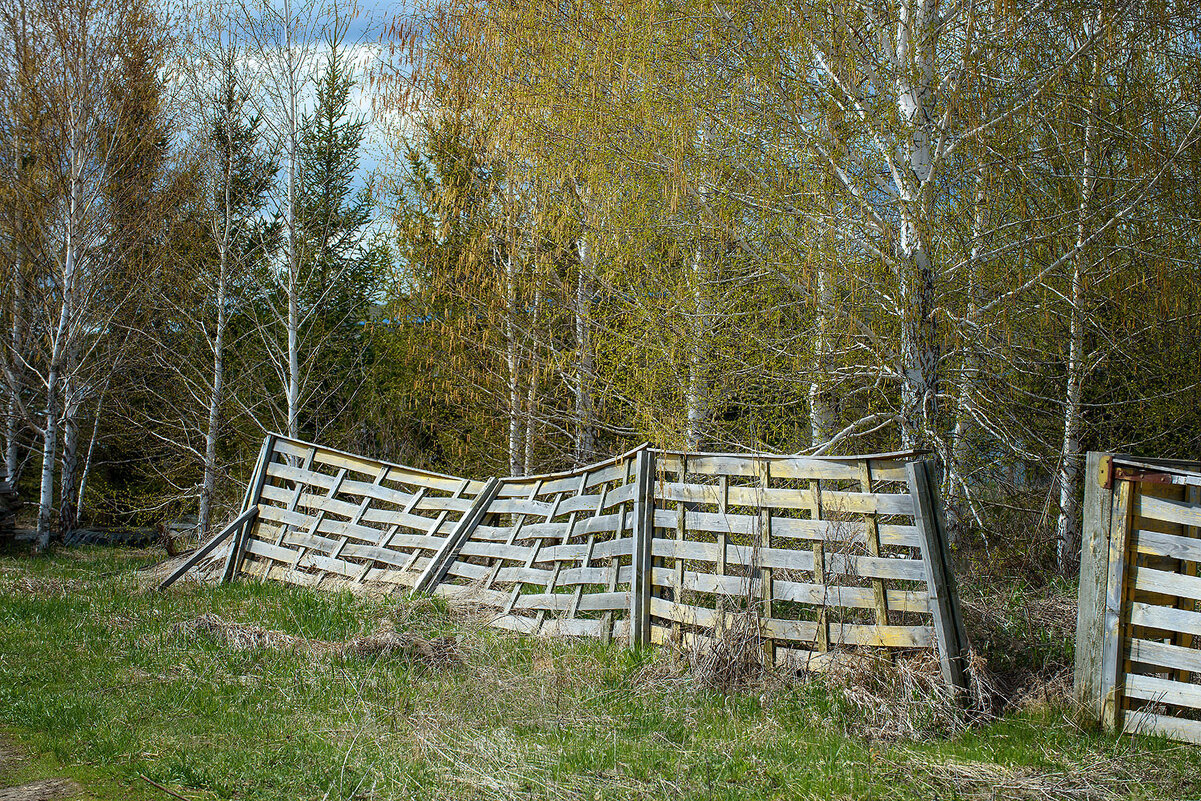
(283, 39)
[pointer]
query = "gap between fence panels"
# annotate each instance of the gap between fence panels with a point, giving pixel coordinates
(829, 556)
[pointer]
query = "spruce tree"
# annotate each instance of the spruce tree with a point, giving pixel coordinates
(340, 259)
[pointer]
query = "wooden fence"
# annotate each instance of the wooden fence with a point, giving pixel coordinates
(554, 554)
(1138, 637)
(825, 553)
(827, 556)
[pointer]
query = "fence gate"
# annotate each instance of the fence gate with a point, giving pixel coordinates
(1138, 631)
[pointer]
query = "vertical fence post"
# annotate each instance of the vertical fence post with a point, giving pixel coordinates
(254, 493)
(1094, 576)
(940, 578)
(643, 534)
(1116, 606)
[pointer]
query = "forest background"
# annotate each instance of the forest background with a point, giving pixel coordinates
(970, 228)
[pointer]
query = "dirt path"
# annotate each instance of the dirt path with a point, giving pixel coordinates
(11, 759)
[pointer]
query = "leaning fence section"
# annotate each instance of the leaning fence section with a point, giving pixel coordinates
(824, 555)
(1138, 639)
(553, 554)
(818, 557)
(326, 517)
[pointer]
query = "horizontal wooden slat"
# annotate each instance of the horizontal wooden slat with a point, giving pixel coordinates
(852, 634)
(359, 464)
(561, 602)
(1166, 618)
(569, 627)
(611, 548)
(833, 595)
(804, 630)
(683, 613)
(468, 570)
(850, 531)
(711, 552)
(1164, 691)
(1169, 511)
(494, 550)
(833, 501)
(1142, 722)
(1157, 544)
(338, 528)
(1167, 583)
(286, 472)
(836, 563)
(1165, 655)
(794, 467)
(553, 531)
(521, 506)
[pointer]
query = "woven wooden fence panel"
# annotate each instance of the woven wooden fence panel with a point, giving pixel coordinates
(330, 518)
(821, 553)
(553, 553)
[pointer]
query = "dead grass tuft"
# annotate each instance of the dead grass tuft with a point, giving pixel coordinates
(733, 658)
(384, 643)
(40, 587)
(1044, 692)
(1094, 778)
(906, 698)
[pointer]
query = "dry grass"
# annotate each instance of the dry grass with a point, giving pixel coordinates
(1096, 777)
(733, 658)
(386, 642)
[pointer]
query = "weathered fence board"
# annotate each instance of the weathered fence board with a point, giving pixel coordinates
(1138, 663)
(823, 554)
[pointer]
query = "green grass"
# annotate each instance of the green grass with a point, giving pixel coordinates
(97, 682)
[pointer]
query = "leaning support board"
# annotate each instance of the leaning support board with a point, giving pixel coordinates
(1139, 619)
(940, 578)
(830, 556)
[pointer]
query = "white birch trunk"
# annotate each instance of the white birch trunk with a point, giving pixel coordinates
(1067, 526)
(531, 398)
(696, 398)
(916, 35)
(217, 388)
(513, 369)
(585, 436)
(68, 513)
(821, 411)
(954, 477)
(61, 334)
(49, 454)
(293, 256)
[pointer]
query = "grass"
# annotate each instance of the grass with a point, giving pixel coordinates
(104, 681)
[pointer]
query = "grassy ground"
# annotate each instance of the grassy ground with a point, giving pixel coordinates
(105, 682)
